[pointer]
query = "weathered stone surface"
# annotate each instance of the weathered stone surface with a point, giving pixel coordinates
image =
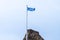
(33, 35)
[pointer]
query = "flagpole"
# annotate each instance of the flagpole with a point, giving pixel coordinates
(26, 23)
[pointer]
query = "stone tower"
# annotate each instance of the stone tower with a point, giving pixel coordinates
(33, 35)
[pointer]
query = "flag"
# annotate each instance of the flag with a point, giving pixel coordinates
(30, 9)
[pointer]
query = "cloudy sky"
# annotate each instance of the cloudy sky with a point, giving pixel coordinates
(45, 19)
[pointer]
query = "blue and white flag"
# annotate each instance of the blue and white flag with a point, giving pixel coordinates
(30, 9)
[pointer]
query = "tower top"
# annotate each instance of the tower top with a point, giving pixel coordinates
(33, 35)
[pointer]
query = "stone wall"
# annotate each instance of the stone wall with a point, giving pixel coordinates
(33, 35)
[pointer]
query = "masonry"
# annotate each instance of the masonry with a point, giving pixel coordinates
(33, 35)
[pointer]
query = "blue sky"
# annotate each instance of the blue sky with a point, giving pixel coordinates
(45, 19)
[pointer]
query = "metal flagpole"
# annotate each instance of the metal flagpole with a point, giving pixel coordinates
(26, 23)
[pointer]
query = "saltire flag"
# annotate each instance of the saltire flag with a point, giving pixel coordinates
(30, 9)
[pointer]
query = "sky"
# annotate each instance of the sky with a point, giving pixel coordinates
(45, 19)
